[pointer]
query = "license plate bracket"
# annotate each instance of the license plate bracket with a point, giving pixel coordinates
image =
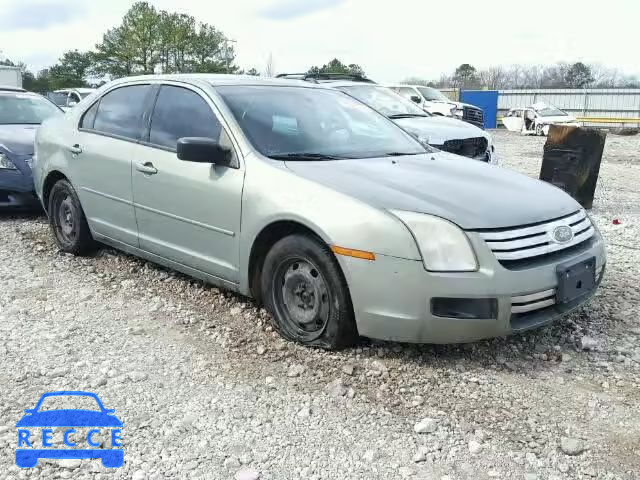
(575, 280)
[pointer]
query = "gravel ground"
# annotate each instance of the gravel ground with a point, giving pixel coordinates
(206, 389)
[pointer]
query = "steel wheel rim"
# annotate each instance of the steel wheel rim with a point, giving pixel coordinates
(302, 298)
(65, 218)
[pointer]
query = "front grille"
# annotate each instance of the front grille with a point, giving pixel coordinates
(468, 147)
(474, 115)
(535, 241)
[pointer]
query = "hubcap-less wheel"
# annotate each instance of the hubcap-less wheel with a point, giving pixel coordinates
(66, 219)
(303, 298)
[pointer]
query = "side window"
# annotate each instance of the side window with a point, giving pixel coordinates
(120, 111)
(89, 117)
(178, 113)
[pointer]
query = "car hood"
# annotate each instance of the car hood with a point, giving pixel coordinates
(469, 193)
(69, 418)
(437, 130)
(18, 139)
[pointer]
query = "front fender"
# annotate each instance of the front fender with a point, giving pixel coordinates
(273, 193)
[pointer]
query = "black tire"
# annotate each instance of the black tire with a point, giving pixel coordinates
(305, 291)
(67, 220)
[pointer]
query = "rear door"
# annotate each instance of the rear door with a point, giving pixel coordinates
(101, 159)
(188, 212)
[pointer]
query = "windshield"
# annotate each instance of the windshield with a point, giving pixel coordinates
(25, 108)
(431, 94)
(313, 123)
(384, 100)
(551, 112)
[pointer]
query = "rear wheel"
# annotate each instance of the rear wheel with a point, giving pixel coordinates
(306, 294)
(67, 220)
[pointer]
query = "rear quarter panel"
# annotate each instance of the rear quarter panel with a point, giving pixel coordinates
(50, 151)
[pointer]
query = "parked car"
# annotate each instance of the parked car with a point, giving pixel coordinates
(69, 97)
(21, 113)
(313, 203)
(446, 134)
(437, 103)
(536, 119)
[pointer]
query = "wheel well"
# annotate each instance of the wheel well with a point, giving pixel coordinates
(49, 182)
(266, 239)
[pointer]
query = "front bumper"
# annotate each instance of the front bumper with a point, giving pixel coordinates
(392, 296)
(17, 191)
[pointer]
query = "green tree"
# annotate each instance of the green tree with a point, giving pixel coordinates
(578, 76)
(336, 66)
(210, 51)
(465, 76)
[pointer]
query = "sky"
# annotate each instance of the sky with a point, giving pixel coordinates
(391, 40)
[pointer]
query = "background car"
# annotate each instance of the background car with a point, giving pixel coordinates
(21, 113)
(448, 134)
(536, 119)
(69, 97)
(437, 103)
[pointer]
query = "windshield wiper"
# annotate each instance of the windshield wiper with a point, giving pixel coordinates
(306, 156)
(406, 115)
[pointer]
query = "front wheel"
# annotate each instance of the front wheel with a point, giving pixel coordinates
(67, 220)
(307, 295)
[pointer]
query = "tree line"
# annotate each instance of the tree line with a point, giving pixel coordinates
(559, 75)
(147, 41)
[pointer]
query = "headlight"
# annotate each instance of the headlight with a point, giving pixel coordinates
(444, 246)
(5, 163)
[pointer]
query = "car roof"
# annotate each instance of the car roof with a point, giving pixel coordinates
(9, 88)
(215, 79)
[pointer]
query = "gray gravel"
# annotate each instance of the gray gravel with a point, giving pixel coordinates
(206, 389)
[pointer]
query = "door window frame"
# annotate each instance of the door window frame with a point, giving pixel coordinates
(212, 106)
(149, 104)
(145, 109)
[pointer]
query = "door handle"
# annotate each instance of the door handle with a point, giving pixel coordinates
(146, 168)
(75, 149)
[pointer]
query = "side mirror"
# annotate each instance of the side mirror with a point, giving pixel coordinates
(72, 103)
(203, 150)
(416, 99)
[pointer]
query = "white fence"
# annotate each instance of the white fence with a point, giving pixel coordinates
(594, 107)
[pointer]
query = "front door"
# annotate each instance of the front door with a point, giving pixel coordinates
(101, 159)
(187, 212)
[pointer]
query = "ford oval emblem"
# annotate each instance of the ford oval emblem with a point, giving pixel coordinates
(562, 234)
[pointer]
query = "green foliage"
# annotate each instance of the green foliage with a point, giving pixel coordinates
(578, 76)
(149, 41)
(336, 66)
(465, 76)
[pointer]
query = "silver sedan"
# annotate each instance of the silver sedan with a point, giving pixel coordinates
(305, 199)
